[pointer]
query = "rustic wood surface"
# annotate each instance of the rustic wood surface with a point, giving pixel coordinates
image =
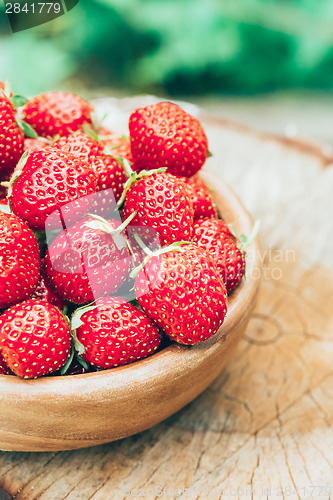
(263, 429)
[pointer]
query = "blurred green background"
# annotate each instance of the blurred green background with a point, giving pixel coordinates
(175, 47)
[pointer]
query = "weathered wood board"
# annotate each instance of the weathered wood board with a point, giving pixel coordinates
(263, 429)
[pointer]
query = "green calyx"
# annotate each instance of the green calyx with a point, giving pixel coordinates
(18, 100)
(76, 322)
(243, 240)
(18, 171)
(135, 177)
(174, 247)
(64, 368)
(103, 225)
(26, 129)
(90, 132)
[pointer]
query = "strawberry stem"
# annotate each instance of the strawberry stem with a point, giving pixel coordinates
(174, 247)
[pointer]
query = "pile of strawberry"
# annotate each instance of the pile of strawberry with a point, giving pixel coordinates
(111, 247)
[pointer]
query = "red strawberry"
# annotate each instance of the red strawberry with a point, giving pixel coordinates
(55, 113)
(34, 338)
(34, 144)
(162, 203)
(11, 137)
(109, 172)
(181, 291)
(4, 369)
(19, 260)
(203, 204)
(119, 146)
(164, 135)
(215, 236)
(113, 332)
(51, 179)
(84, 263)
(44, 291)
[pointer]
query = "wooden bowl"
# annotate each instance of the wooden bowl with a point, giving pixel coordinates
(76, 411)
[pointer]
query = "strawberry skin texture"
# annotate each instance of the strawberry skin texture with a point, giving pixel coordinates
(4, 369)
(120, 147)
(55, 113)
(34, 338)
(34, 144)
(215, 236)
(116, 333)
(183, 294)
(84, 263)
(50, 179)
(109, 172)
(164, 135)
(44, 291)
(19, 259)
(163, 203)
(11, 137)
(202, 201)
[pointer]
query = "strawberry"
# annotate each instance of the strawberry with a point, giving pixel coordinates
(49, 180)
(44, 291)
(181, 291)
(162, 203)
(164, 135)
(112, 332)
(19, 259)
(119, 146)
(4, 369)
(215, 236)
(34, 338)
(203, 204)
(55, 113)
(109, 172)
(88, 260)
(34, 144)
(11, 137)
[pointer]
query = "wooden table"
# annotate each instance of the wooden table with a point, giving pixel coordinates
(263, 429)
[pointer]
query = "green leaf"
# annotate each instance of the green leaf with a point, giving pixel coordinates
(27, 130)
(18, 100)
(65, 367)
(82, 361)
(90, 132)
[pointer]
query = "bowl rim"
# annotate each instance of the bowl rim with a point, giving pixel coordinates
(175, 356)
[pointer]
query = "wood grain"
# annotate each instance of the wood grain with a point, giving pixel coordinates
(264, 427)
